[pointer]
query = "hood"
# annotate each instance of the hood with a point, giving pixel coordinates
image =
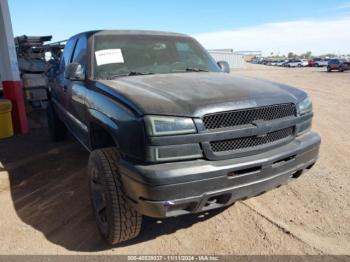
(197, 94)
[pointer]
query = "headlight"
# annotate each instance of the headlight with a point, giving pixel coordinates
(305, 106)
(164, 125)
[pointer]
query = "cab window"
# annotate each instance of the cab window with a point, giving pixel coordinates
(67, 53)
(80, 50)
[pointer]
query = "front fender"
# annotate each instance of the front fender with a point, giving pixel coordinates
(126, 129)
(122, 122)
(103, 120)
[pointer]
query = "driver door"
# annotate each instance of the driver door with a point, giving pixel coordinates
(75, 95)
(59, 97)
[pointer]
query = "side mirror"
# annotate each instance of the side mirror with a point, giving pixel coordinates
(225, 67)
(74, 72)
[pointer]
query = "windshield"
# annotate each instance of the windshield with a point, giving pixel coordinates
(120, 55)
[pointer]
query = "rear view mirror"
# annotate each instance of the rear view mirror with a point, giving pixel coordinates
(74, 72)
(225, 67)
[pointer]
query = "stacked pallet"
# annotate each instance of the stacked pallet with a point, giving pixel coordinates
(33, 67)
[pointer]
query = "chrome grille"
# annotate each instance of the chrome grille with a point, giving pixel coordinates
(247, 116)
(246, 143)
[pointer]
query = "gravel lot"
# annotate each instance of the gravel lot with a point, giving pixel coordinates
(45, 207)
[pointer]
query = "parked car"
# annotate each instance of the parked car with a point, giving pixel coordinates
(293, 63)
(314, 60)
(311, 62)
(321, 62)
(266, 62)
(170, 131)
(276, 62)
(337, 64)
(281, 62)
(284, 64)
(304, 62)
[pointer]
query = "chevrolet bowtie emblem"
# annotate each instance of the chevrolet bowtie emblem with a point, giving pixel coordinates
(263, 128)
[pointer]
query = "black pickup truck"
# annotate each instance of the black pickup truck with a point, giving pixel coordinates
(170, 131)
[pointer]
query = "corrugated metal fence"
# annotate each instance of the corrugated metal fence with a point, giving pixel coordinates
(234, 60)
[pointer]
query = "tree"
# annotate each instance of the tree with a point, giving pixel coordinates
(330, 55)
(291, 55)
(308, 54)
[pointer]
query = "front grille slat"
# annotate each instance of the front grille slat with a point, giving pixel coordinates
(247, 116)
(246, 143)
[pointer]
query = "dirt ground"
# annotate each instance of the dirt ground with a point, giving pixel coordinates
(45, 207)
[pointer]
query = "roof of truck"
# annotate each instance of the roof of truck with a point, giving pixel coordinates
(129, 32)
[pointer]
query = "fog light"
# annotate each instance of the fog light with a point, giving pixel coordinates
(174, 152)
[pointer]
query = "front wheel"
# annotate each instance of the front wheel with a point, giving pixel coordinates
(329, 69)
(115, 218)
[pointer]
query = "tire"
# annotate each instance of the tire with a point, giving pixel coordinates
(57, 129)
(115, 218)
(341, 69)
(329, 69)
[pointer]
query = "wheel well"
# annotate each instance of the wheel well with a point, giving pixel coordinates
(100, 138)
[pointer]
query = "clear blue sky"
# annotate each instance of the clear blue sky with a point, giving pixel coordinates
(63, 18)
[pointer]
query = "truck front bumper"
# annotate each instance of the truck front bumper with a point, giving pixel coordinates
(172, 189)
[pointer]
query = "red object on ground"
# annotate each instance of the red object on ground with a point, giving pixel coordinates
(13, 91)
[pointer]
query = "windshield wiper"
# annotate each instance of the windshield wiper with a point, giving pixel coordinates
(132, 73)
(194, 69)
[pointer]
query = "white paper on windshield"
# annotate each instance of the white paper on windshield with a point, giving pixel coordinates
(109, 56)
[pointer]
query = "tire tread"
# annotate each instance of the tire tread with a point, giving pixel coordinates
(125, 222)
